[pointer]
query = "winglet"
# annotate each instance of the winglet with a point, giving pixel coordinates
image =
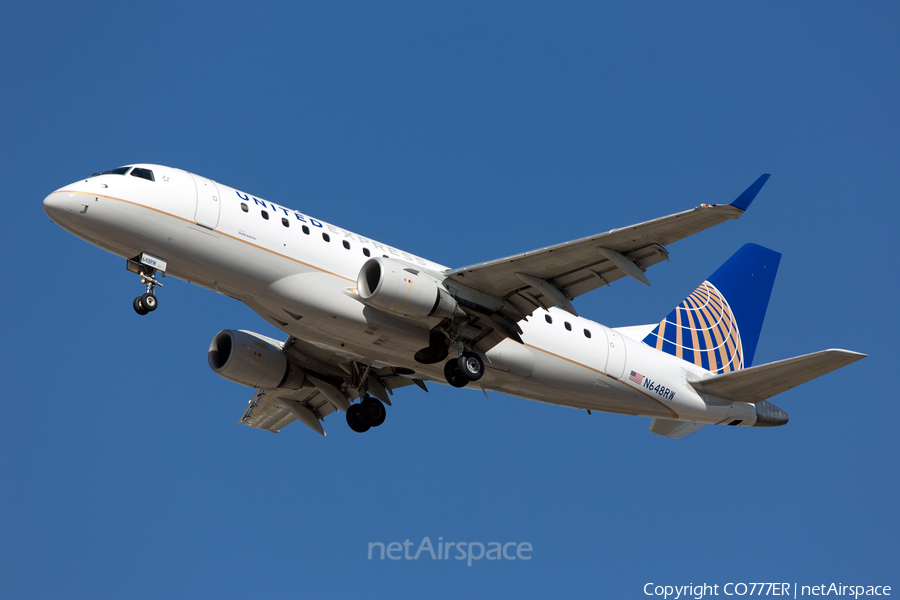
(743, 201)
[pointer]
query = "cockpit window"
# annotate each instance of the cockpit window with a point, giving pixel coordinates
(119, 171)
(145, 173)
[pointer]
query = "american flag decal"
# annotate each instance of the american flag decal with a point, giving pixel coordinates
(635, 377)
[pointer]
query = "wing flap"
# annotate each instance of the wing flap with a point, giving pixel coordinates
(271, 410)
(761, 382)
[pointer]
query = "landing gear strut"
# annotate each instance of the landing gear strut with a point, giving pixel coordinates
(147, 266)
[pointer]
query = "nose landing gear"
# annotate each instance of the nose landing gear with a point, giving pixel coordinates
(145, 304)
(147, 266)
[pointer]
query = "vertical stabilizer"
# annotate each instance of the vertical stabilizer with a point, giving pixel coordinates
(717, 327)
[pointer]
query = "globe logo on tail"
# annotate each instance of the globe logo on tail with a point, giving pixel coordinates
(701, 330)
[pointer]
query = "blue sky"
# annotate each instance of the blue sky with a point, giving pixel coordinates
(461, 132)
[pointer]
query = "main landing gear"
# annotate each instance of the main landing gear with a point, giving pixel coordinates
(368, 413)
(460, 371)
(468, 366)
(147, 266)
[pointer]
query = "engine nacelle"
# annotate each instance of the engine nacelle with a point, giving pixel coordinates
(398, 288)
(253, 360)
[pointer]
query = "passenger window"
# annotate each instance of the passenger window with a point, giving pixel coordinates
(568, 326)
(264, 214)
(366, 252)
(326, 237)
(306, 230)
(285, 222)
(587, 334)
(346, 244)
(244, 207)
(548, 318)
(143, 174)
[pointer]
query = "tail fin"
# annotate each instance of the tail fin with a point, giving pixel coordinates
(717, 327)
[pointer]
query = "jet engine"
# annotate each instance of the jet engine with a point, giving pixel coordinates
(399, 288)
(253, 360)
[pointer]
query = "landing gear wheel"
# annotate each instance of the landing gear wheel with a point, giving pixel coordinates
(373, 412)
(139, 307)
(149, 302)
(454, 376)
(354, 419)
(471, 366)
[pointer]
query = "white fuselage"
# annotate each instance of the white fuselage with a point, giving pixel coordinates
(305, 284)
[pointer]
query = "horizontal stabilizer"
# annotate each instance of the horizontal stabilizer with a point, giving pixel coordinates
(674, 429)
(761, 382)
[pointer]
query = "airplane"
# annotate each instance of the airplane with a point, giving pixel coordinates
(364, 318)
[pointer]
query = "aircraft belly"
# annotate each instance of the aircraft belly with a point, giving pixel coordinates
(206, 258)
(318, 304)
(537, 374)
(608, 401)
(510, 360)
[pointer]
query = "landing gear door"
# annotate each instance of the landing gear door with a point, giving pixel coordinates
(208, 202)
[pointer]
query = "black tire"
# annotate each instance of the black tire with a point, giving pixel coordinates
(471, 366)
(354, 419)
(138, 307)
(454, 375)
(149, 302)
(373, 412)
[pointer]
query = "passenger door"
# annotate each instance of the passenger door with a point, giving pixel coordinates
(207, 214)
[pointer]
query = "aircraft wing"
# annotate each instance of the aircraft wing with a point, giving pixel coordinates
(328, 386)
(555, 275)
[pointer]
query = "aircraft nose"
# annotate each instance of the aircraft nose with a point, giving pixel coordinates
(57, 205)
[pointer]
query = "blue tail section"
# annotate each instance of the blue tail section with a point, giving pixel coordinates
(717, 327)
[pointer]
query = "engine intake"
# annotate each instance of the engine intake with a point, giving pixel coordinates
(253, 360)
(398, 288)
